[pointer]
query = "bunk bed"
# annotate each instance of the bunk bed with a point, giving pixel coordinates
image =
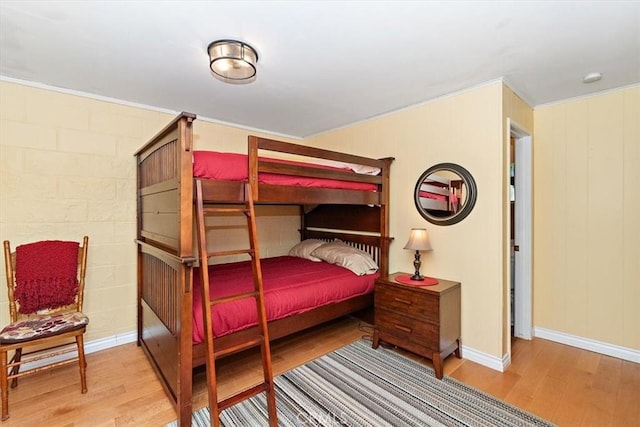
(356, 214)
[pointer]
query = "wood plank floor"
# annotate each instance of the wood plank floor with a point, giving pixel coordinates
(565, 385)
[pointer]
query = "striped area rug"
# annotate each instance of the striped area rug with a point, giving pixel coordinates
(359, 386)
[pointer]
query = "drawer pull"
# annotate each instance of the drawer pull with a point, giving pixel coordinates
(402, 301)
(403, 328)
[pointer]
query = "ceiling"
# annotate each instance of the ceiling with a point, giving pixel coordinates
(322, 64)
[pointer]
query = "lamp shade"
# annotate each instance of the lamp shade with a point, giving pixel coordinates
(418, 240)
(232, 61)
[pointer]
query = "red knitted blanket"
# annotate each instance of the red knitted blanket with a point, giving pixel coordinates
(46, 275)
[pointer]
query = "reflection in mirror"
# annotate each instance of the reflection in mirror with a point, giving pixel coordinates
(445, 194)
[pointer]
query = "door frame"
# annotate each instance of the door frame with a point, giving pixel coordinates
(523, 321)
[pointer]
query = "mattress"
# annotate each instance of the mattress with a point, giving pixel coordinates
(292, 285)
(235, 167)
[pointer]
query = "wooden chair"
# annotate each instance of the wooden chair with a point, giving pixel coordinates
(45, 282)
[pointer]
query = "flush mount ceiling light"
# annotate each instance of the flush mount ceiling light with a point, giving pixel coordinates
(232, 61)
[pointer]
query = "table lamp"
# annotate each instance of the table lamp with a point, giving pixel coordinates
(418, 241)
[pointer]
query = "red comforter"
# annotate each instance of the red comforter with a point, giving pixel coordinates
(235, 167)
(291, 285)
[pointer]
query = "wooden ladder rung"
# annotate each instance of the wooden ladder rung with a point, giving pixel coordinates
(243, 395)
(234, 297)
(249, 343)
(231, 252)
(210, 210)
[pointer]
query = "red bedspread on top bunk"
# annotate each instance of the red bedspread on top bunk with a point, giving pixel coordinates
(291, 285)
(234, 167)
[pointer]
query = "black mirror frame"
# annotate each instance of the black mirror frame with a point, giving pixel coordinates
(469, 203)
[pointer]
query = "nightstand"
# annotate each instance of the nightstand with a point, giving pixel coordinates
(422, 319)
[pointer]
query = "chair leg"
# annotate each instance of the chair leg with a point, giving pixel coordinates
(82, 362)
(17, 356)
(4, 385)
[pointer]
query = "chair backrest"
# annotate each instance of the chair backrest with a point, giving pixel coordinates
(37, 258)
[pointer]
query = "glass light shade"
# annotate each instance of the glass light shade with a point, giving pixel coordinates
(232, 61)
(418, 240)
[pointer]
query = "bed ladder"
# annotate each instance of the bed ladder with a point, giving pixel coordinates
(261, 338)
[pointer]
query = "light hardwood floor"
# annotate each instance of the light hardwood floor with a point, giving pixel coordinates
(565, 385)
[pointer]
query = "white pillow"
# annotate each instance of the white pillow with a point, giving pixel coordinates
(339, 253)
(304, 249)
(364, 170)
(361, 169)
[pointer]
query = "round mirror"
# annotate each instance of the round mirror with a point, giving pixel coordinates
(445, 194)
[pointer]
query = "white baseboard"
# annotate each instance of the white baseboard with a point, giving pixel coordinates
(613, 350)
(493, 362)
(89, 347)
(501, 364)
(113, 341)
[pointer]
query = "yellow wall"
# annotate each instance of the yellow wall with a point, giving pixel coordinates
(587, 217)
(67, 169)
(57, 149)
(466, 129)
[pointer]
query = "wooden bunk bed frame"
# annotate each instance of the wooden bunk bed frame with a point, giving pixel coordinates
(166, 250)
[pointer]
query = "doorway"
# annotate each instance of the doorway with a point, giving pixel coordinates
(521, 195)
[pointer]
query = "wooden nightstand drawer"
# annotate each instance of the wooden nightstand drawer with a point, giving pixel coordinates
(419, 305)
(405, 331)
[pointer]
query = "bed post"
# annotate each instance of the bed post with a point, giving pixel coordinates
(165, 258)
(385, 239)
(185, 165)
(253, 166)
